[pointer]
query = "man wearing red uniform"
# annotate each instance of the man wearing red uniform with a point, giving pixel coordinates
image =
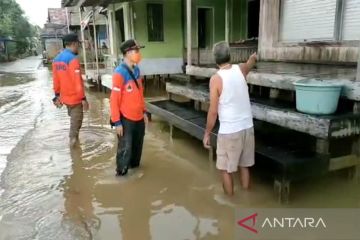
(69, 85)
(128, 113)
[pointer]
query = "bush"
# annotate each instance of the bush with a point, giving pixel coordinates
(3, 57)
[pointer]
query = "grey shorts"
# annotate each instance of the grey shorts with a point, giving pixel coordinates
(235, 150)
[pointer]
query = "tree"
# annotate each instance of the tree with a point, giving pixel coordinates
(14, 24)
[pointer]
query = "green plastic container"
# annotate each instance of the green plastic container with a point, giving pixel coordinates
(318, 97)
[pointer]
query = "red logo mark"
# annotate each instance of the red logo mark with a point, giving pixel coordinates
(250, 228)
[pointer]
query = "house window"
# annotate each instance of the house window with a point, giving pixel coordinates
(319, 20)
(155, 22)
(351, 20)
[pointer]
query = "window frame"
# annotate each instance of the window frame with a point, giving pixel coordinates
(150, 36)
(338, 28)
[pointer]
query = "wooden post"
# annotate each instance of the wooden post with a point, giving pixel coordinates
(274, 93)
(111, 30)
(198, 56)
(197, 105)
(282, 189)
(212, 153)
(355, 171)
(83, 43)
(6, 51)
(358, 66)
(188, 27)
(357, 104)
(251, 89)
(171, 133)
(67, 20)
(227, 20)
(356, 108)
(322, 146)
(96, 48)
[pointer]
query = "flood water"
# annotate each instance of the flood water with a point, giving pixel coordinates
(51, 192)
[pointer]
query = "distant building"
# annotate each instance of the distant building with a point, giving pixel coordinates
(7, 48)
(53, 31)
(57, 16)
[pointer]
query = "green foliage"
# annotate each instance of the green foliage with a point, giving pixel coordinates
(14, 24)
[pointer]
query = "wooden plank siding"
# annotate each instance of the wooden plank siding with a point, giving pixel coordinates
(204, 57)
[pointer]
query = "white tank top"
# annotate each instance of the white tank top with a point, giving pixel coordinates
(234, 104)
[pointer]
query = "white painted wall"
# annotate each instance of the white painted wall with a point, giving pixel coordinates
(154, 66)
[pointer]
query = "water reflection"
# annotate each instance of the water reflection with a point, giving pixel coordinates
(176, 222)
(78, 197)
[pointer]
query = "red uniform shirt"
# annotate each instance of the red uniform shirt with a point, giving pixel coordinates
(68, 82)
(126, 98)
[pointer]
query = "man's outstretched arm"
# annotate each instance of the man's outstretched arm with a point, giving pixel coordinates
(250, 64)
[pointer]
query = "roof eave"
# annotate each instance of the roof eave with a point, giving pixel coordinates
(71, 3)
(103, 3)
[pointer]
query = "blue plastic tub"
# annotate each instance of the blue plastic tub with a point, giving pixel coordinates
(317, 96)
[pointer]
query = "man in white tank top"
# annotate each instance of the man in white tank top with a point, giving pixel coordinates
(229, 99)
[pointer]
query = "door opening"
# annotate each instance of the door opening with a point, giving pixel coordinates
(205, 27)
(253, 18)
(119, 16)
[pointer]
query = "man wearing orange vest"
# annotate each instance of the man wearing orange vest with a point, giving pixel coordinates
(69, 85)
(128, 113)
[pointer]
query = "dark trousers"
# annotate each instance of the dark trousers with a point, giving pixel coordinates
(130, 144)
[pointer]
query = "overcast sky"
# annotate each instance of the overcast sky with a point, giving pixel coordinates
(36, 10)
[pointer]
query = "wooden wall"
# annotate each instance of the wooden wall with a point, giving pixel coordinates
(271, 49)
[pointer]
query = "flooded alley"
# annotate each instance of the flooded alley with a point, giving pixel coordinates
(51, 192)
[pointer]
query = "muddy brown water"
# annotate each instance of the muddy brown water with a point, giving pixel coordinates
(51, 192)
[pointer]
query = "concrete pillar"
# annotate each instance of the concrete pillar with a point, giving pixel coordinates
(188, 28)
